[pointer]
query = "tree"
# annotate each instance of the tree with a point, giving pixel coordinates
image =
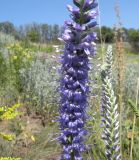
(8, 28)
(55, 32)
(107, 34)
(33, 36)
(50, 36)
(44, 33)
(133, 36)
(33, 32)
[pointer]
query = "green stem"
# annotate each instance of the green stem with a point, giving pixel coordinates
(72, 153)
(134, 122)
(81, 11)
(72, 156)
(100, 33)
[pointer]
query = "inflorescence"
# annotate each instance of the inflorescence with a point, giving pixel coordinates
(110, 115)
(74, 89)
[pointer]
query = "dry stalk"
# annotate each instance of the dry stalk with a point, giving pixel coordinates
(120, 63)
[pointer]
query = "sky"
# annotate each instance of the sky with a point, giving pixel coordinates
(22, 12)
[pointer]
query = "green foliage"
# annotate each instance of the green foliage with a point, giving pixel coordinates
(97, 149)
(56, 31)
(133, 36)
(8, 113)
(33, 36)
(7, 27)
(49, 49)
(6, 136)
(107, 34)
(9, 158)
(3, 70)
(131, 76)
(6, 39)
(40, 86)
(45, 145)
(17, 127)
(19, 58)
(134, 108)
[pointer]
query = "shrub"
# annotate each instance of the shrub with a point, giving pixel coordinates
(6, 39)
(3, 70)
(40, 85)
(19, 58)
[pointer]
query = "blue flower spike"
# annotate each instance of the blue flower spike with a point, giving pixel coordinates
(78, 38)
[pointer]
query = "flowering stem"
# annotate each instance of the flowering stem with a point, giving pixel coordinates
(74, 78)
(110, 115)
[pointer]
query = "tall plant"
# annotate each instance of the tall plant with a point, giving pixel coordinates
(120, 62)
(74, 88)
(111, 134)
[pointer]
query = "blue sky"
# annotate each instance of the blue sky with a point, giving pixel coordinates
(54, 12)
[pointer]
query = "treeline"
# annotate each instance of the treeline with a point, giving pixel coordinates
(44, 33)
(40, 33)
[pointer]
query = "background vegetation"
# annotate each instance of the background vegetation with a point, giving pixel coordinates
(29, 75)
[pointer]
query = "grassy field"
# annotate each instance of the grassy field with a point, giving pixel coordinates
(29, 76)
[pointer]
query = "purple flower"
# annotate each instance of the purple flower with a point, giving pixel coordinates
(89, 5)
(74, 77)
